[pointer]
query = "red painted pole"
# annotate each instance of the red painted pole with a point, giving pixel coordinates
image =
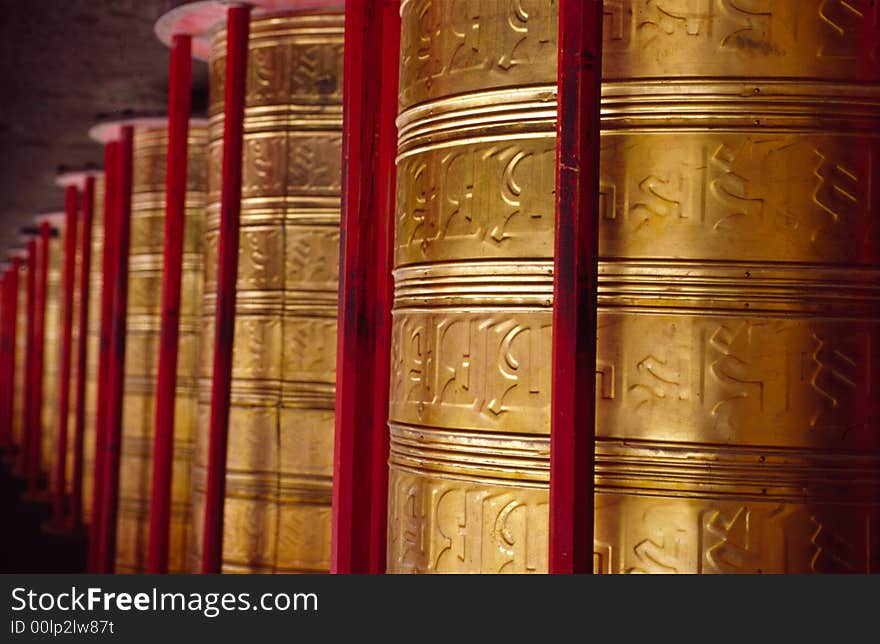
(6, 358)
(79, 409)
(360, 483)
(13, 367)
(573, 424)
(116, 355)
(111, 152)
(13, 314)
(10, 313)
(35, 463)
(30, 313)
(179, 87)
(238, 26)
(71, 197)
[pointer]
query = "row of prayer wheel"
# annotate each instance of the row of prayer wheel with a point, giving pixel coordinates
(737, 422)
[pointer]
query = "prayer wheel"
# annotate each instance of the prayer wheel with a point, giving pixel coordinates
(737, 426)
(51, 344)
(280, 456)
(142, 338)
(77, 178)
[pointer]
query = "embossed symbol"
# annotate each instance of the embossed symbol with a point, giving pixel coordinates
(740, 373)
(731, 187)
(656, 558)
(518, 367)
(614, 30)
(456, 196)
(838, 192)
(834, 379)
(671, 16)
(832, 552)
(658, 380)
(751, 33)
(263, 166)
(736, 548)
(847, 23)
(655, 200)
(522, 25)
(267, 74)
(605, 379)
(314, 164)
(313, 258)
(313, 341)
(317, 71)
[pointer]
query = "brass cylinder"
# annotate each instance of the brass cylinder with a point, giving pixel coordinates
(737, 343)
(93, 348)
(280, 460)
(52, 356)
(142, 342)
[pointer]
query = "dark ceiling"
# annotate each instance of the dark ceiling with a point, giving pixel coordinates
(63, 62)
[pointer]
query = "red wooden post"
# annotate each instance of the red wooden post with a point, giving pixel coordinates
(30, 313)
(111, 152)
(179, 87)
(238, 26)
(71, 195)
(35, 463)
(360, 473)
(14, 276)
(15, 370)
(6, 358)
(79, 409)
(14, 374)
(572, 435)
(116, 354)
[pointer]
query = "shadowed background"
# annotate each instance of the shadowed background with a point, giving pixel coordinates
(63, 62)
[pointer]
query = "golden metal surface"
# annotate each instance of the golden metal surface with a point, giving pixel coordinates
(738, 291)
(280, 462)
(52, 356)
(93, 340)
(141, 358)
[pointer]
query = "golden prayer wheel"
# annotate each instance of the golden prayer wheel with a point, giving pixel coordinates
(93, 346)
(77, 178)
(52, 346)
(142, 341)
(738, 335)
(280, 459)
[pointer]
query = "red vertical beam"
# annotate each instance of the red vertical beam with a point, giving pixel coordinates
(35, 463)
(79, 408)
(179, 88)
(572, 433)
(71, 196)
(13, 366)
(8, 366)
(238, 26)
(15, 276)
(360, 472)
(116, 353)
(5, 429)
(10, 310)
(30, 313)
(111, 152)
(5, 361)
